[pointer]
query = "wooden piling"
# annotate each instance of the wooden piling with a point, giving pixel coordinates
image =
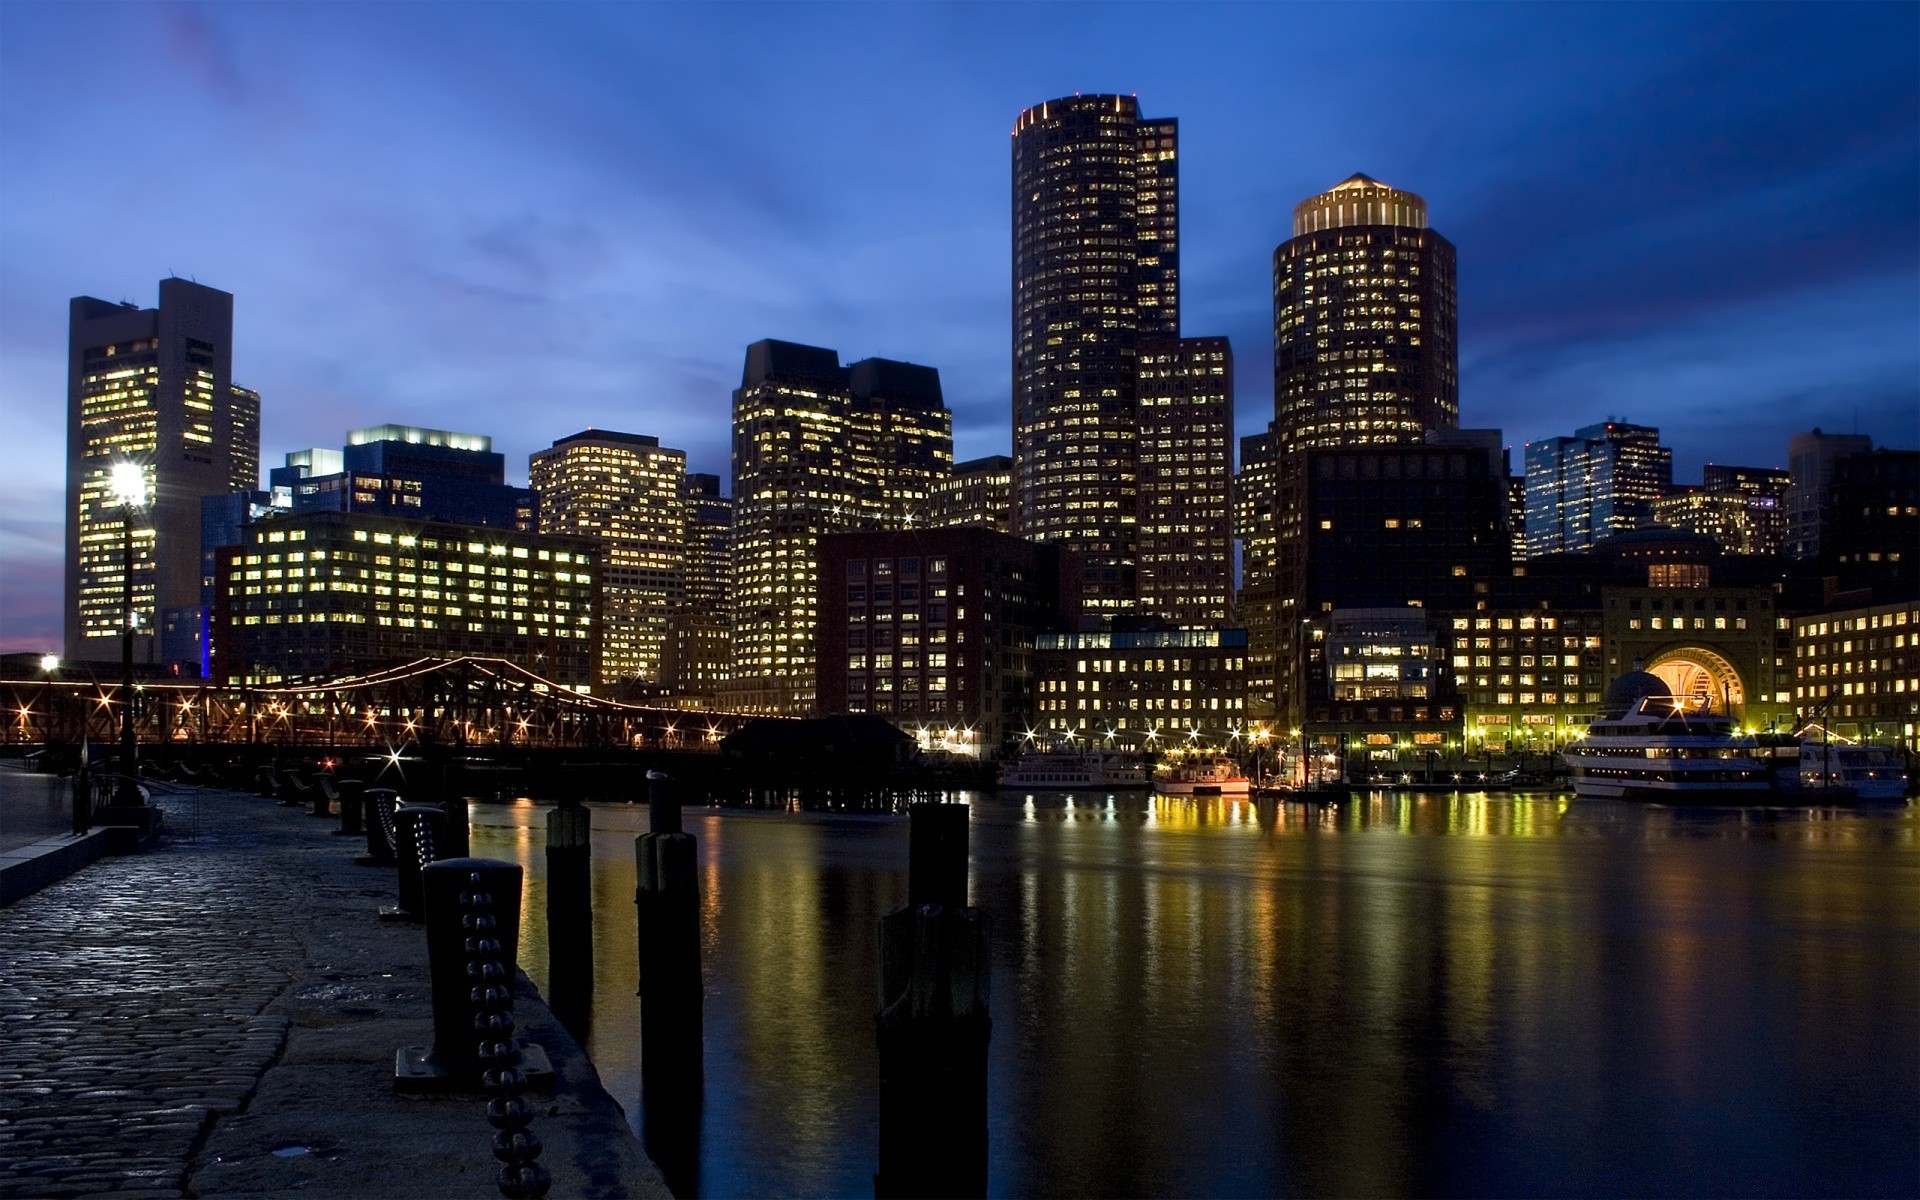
(671, 1018)
(570, 915)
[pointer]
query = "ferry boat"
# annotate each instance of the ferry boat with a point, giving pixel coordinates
(1206, 775)
(1655, 746)
(1066, 770)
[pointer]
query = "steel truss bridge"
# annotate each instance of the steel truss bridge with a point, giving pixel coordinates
(463, 703)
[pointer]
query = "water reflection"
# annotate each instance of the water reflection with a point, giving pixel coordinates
(1402, 994)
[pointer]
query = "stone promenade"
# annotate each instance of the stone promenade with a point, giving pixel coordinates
(218, 1017)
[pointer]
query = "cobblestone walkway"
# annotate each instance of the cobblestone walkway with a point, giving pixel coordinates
(132, 1000)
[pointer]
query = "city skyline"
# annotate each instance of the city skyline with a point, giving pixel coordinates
(1763, 271)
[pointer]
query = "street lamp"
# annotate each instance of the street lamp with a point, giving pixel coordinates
(128, 483)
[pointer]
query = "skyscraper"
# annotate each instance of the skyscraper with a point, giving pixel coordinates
(1601, 481)
(624, 491)
(1096, 266)
(976, 492)
(153, 387)
(700, 630)
(1365, 331)
(1185, 547)
(817, 448)
(1810, 461)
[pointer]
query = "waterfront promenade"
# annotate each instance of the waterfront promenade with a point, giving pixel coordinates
(218, 1017)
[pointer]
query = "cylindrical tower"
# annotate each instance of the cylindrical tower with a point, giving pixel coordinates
(1365, 333)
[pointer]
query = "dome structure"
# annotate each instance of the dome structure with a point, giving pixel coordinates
(1631, 688)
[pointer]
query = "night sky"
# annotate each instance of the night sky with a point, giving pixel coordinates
(523, 221)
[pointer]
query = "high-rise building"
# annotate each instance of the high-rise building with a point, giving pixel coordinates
(1096, 267)
(700, 631)
(152, 387)
(1185, 527)
(1255, 497)
(1810, 459)
(1872, 534)
(1365, 328)
(1600, 482)
(626, 492)
(977, 492)
(321, 594)
(408, 471)
(817, 448)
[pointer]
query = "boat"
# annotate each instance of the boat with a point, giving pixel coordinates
(1204, 775)
(1845, 772)
(1652, 745)
(1068, 770)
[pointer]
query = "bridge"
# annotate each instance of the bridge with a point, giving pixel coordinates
(463, 703)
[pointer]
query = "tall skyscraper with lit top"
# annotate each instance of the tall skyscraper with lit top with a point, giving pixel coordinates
(1096, 266)
(153, 387)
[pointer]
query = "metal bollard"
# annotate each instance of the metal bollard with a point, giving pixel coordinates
(353, 799)
(417, 830)
(469, 975)
(381, 804)
(322, 796)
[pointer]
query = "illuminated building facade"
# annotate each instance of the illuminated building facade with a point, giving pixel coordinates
(1379, 688)
(151, 386)
(1530, 678)
(700, 630)
(1096, 267)
(408, 471)
(1153, 689)
(818, 448)
(1185, 527)
(625, 492)
(1810, 459)
(1365, 325)
(977, 492)
(323, 594)
(1856, 672)
(1600, 482)
(935, 630)
(1256, 492)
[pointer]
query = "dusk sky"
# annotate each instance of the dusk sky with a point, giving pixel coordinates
(523, 221)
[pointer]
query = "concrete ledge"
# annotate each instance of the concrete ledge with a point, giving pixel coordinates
(24, 870)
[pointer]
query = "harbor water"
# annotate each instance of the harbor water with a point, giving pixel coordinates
(1402, 995)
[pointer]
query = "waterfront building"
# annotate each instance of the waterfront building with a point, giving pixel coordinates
(818, 448)
(153, 387)
(1856, 672)
(700, 630)
(1810, 460)
(1380, 693)
(627, 493)
(409, 471)
(318, 595)
(1872, 531)
(1185, 526)
(1141, 689)
(934, 629)
(1601, 481)
(976, 492)
(1096, 267)
(1256, 490)
(1365, 325)
(1528, 678)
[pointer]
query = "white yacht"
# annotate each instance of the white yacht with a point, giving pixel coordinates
(1652, 745)
(1848, 771)
(1206, 775)
(1069, 770)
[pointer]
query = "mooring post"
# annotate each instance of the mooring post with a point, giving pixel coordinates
(671, 1019)
(83, 794)
(570, 915)
(455, 933)
(381, 804)
(933, 1026)
(353, 811)
(417, 830)
(322, 795)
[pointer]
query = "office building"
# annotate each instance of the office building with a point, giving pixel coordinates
(321, 594)
(976, 492)
(818, 448)
(1810, 459)
(935, 630)
(625, 492)
(1872, 531)
(407, 471)
(1365, 325)
(1256, 492)
(1096, 267)
(1381, 695)
(1141, 689)
(153, 387)
(700, 629)
(1185, 527)
(1600, 482)
(1856, 672)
